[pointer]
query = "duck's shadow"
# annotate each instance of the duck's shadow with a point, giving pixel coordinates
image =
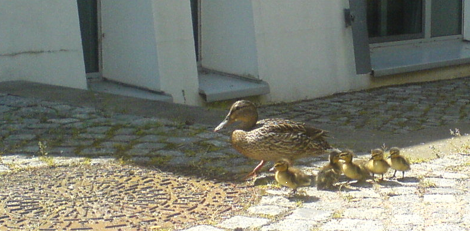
(303, 198)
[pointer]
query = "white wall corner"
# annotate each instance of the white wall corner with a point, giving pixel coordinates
(41, 43)
(175, 50)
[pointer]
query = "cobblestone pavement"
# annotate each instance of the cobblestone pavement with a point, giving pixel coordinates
(90, 143)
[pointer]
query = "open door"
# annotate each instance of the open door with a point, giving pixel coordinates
(128, 39)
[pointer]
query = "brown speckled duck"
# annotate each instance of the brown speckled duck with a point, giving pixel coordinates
(288, 176)
(271, 139)
(398, 162)
(377, 164)
(330, 173)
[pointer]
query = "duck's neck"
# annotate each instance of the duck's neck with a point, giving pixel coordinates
(248, 124)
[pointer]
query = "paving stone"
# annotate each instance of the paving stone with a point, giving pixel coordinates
(243, 222)
(445, 227)
(439, 198)
(453, 175)
(291, 225)
(441, 182)
(277, 200)
(353, 224)
(151, 138)
(364, 213)
(271, 210)
(150, 146)
(203, 228)
(182, 140)
(309, 214)
(4, 168)
(407, 219)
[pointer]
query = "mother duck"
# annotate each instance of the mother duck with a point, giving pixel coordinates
(271, 139)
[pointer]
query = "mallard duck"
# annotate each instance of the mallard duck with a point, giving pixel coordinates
(289, 176)
(352, 170)
(330, 173)
(271, 139)
(398, 162)
(377, 164)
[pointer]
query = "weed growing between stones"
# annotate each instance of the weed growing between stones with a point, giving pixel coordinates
(44, 154)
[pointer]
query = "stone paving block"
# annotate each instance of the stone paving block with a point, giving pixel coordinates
(243, 222)
(4, 168)
(407, 219)
(364, 213)
(203, 228)
(151, 138)
(277, 200)
(446, 227)
(404, 227)
(182, 140)
(353, 225)
(450, 191)
(310, 214)
(453, 175)
(271, 210)
(124, 138)
(290, 225)
(404, 199)
(439, 198)
(441, 182)
(150, 146)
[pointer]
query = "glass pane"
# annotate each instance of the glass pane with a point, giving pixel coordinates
(446, 17)
(394, 17)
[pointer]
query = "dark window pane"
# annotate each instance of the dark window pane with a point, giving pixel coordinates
(446, 17)
(392, 18)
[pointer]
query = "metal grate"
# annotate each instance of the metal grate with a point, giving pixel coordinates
(112, 197)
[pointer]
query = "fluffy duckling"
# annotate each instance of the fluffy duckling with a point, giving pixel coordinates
(352, 170)
(330, 173)
(398, 162)
(289, 176)
(271, 139)
(377, 164)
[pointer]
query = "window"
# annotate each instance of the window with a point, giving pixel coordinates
(397, 20)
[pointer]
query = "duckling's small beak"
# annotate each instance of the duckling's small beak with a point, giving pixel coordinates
(272, 169)
(222, 124)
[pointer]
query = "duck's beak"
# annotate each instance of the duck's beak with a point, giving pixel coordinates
(272, 169)
(223, 124)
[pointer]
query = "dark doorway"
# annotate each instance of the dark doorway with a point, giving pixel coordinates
(88, 15)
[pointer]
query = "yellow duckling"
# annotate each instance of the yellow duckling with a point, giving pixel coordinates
(330, 173)
(398, 162)
(289, 176)
(377, 164)
(352, 170)
(271, 139)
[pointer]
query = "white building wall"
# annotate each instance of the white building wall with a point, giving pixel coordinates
(151, 45)
(228, 37)
(304, 48)
(40, 41)
(129, 52)
(176, 51)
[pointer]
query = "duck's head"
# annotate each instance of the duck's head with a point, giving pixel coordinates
(394, 152)
(334, 156)
(281, 165)
(377, 154)
(346, 155)
(243, 112)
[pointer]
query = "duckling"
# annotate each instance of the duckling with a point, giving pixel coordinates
(330, 173)
(289, 176)
(352, 170)
(398, 162)
(271, 139)
(377, 164)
